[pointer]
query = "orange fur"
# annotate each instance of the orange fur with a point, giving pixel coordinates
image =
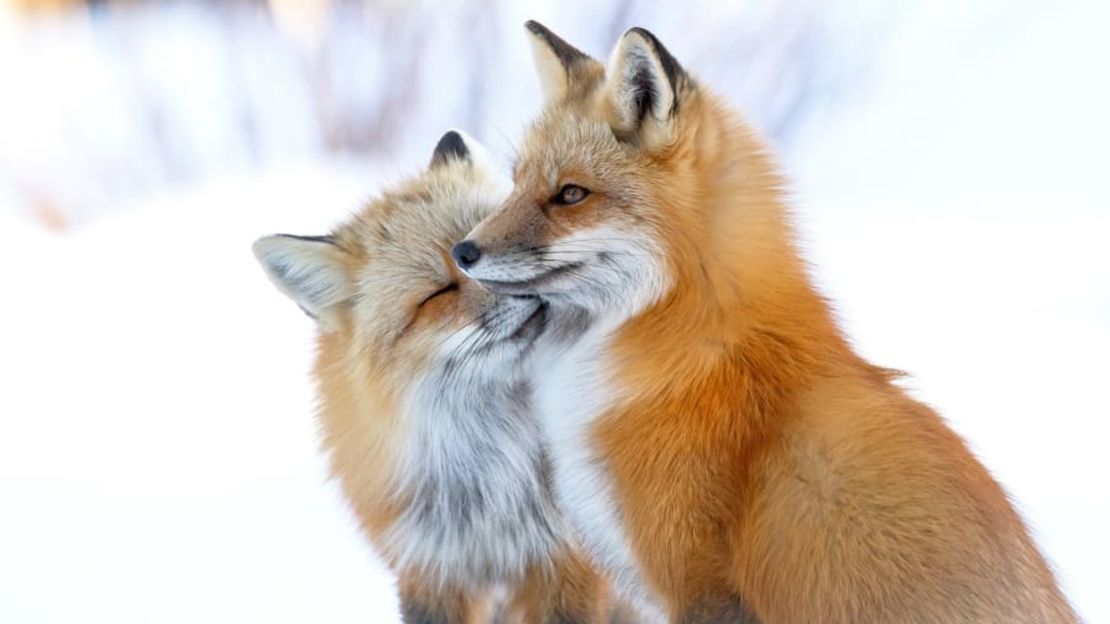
(755, 457)
(572, 588)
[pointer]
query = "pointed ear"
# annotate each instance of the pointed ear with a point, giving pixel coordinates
(458, 146)
(563, 68)
(451, 147)
(645, 88)
(308, 269)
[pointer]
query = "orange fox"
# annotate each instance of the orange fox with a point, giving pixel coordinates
(719, 447)
(424, 410)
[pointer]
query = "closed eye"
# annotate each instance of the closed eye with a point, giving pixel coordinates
(452, 287)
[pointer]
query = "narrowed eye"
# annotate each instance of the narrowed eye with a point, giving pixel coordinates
(570, 194)
(442, 291)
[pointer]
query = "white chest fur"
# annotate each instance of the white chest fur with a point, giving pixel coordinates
(570, 394)
(474, 467)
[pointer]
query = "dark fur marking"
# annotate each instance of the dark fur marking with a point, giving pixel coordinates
(384, 234)
(464, 502)
(450, 147)
(622, 616)
(519, 397)
(731, 610)
(414, 612)
(312, 239)
(569, 324)
(645, 93)
(566, 53)
(675, 74)
(546, 472)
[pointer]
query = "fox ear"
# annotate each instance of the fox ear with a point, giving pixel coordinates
(451, 147)
(644, 88)
(458, 146)
(563, 68)
(308, 269)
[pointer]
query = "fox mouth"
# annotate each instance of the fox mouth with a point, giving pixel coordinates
(532, 285)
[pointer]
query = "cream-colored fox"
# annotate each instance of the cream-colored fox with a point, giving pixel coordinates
(720, 448)
(424, 411)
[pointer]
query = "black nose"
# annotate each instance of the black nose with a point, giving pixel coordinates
(466, 254)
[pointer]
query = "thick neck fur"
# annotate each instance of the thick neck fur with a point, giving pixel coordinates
(450, 474)
(739, 296)
(474, 475)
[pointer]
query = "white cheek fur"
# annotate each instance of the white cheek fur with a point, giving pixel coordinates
(622, 274)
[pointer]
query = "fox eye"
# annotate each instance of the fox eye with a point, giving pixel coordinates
(570, 194)
(452, 287)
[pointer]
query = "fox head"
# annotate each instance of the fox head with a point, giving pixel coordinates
(418, 368)
(389, 302)
(614, 198)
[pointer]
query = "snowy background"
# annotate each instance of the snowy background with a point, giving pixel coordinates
(157, 452)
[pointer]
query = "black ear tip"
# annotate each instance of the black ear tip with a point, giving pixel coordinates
(646, 35)
(567, 53)
(674, 71)
(329, 239)
(453, 141)
(451, 146)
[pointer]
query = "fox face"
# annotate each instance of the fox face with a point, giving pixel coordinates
(605, 188)
(384, 285)
(423, 407)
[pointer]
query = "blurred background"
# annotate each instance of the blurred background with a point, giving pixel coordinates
(158, 462)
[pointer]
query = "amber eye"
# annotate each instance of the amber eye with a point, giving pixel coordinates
(570, 194)
(442, 291)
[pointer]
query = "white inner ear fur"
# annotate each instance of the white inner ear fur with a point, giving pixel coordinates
(633, 60)
(554, 80)
(310, 272)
